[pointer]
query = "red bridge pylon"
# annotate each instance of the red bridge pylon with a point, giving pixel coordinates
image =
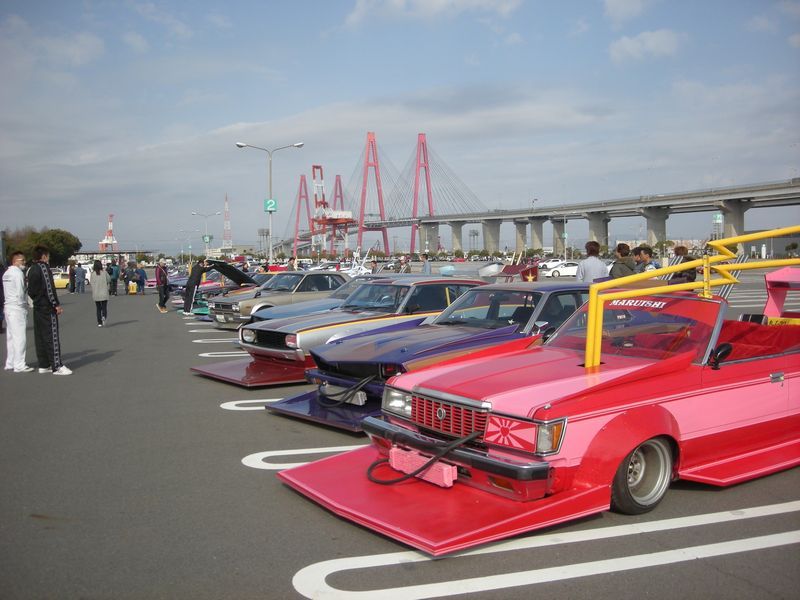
(371, 161)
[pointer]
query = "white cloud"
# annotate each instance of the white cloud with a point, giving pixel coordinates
(790, 8)
(513, 39)
(794, 40)
(663, 42)
(620, 11)
(426, 9)
(153, 13)
(580, 27)
(762, 23)
(136, 42)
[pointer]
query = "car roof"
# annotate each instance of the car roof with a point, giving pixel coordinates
(408, 279)
(538, 286)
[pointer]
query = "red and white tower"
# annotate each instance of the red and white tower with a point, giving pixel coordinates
(325, 217)
(421, 163)
(227, 240)
(302, 198)
(371, 161)
(109, 243)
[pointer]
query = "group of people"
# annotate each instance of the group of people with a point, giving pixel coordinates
(132, 275)
(627, 262)
(37, 285)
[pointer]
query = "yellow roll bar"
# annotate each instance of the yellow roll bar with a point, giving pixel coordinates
(594, 326)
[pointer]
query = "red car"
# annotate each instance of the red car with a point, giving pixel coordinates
(513, 439)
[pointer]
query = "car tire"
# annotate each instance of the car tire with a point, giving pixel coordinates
(643, 478)
(556, 274)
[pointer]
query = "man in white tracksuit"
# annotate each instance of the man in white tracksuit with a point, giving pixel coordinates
(16, 313)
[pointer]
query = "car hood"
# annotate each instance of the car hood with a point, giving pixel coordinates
(231, 272)
(406, 347)
(298, 309)
(313, 321)
(542, 375)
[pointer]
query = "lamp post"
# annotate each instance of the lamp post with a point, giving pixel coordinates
(269, 155)
(205, 217)
(186, 236)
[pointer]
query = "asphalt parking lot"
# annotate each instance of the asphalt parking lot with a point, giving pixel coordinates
(134, 478)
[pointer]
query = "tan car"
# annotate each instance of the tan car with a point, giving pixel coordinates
(284, 288)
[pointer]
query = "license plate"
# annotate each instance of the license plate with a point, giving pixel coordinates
(359, 398)
(220, 318)
(408, 461)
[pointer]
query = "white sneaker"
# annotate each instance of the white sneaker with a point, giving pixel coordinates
(45, 370)
(25, 369)
(62, 370)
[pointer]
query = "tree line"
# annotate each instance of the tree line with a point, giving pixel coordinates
(62, 244)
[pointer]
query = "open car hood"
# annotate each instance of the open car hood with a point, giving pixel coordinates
(231, 272)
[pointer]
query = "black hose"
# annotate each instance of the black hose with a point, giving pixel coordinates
(342, 397)
(438, 455)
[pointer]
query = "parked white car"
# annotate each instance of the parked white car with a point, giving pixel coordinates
(565, 268)
(549, 263)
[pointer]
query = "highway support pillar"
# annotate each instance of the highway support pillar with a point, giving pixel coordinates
(491, 235)
(559, 242)
(522, 236)
(598, 227)
(733, 215)
(429, 238)
(656, 224)
(537, 233)
(457, 230)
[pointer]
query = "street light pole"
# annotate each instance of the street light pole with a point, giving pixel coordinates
(205, 217)
(269, 184)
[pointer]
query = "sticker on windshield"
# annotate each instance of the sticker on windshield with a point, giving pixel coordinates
(654, 304)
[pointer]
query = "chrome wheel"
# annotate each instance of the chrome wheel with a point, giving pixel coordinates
(643, 477)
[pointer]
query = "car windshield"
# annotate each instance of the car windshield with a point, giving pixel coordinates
(490, 309)
(283, 282)
(655, 327)
(348, 288)
(382, 297)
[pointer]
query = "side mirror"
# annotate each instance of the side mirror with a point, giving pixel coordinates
(719, 354)
(540, 325)
(547, 333)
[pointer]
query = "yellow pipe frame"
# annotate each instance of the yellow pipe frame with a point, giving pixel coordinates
(594, 323)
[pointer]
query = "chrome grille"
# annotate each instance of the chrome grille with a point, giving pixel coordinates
(458, 421)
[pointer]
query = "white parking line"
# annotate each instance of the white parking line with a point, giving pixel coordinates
(310, 581)
(237, 404)
(229, 354)
(206, 323)
(257, 460)
(198, 330)
(215, 340)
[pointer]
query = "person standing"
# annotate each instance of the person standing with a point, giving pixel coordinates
(162, 283)
(15, 310)
(591, 267)
(80, 279)
(402, 266)
(624, 264)
(113, 271)
(71, 273)
(290, 266)
(687, 276)
(647, 263)
(426, 265)
(46, 310)
(99, 281)
(191, 285)
(141, 277)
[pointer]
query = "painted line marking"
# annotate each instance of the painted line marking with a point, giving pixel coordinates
(230, 354)
(215, 340)
(311, 582)
(237, 404)
(199, 330)
(257, 460)
(204, 323)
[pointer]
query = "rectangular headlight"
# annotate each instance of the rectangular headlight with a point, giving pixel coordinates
(396, 401)
(549, 436)
(235, 307)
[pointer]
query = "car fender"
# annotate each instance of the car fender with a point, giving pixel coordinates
(617, 437)
(259, 307)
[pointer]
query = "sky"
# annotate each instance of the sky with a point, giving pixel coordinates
(133, 108)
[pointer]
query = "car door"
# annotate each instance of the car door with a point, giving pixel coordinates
(741, 408)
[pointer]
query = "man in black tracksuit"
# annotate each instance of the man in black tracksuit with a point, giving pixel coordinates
(191, 285)
(46, 309)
